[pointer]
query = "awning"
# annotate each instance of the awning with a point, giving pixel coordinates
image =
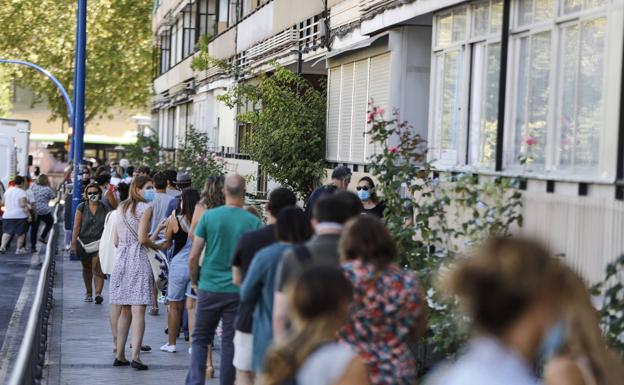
(356, 46)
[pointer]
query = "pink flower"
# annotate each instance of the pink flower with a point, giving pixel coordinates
(146, 150)
(392, 150)
(379, 110)
(374, 113)
(531, 141)
(370, 117)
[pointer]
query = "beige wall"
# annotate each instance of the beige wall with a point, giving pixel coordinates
(39, 117)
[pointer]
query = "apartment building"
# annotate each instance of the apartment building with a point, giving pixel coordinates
(529, 88)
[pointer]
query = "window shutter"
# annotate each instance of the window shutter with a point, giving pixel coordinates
(333, 114)
(360, 107)
(379, 90)
(346, 112)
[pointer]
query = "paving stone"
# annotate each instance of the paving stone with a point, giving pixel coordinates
(81, 346)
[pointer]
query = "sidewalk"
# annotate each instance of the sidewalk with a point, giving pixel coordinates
(80, 348)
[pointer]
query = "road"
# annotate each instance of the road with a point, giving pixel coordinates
(18, 278)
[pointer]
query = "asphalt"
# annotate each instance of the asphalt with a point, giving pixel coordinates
(18, 280)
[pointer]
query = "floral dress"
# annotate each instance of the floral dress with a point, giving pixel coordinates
(131, 280)
(385, 309)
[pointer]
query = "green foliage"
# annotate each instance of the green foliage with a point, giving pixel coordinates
(119, 50)
(287, 119)
(144, 151)
(448, 215)
(611, 313)
(5, 91)
(194, 157)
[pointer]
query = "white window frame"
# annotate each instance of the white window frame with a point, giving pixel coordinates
(555, 25)
(465, 48)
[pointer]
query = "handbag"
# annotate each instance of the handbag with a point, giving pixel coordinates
(91, 247)
(157, 259)
(108, 251)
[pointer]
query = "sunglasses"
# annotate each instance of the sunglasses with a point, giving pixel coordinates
(365, 188)
(92, 193)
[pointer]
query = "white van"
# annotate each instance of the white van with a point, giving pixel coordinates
(8, 159)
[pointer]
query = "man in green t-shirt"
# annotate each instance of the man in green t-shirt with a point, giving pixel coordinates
(216, 235)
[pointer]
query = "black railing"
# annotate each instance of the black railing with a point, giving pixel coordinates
(28, 368)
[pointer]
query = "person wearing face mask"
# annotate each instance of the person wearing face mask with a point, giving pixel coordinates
(132, 280)
(367, 194)
(88, 227)
(511, 289)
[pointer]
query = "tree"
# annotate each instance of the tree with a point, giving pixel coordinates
(118, 50)
(5, 92)
(286, 115)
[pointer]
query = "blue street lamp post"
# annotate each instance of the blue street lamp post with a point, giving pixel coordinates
(79, 102)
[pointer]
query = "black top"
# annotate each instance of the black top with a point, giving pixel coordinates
(376, 211)
(179, 238)
(248, 245)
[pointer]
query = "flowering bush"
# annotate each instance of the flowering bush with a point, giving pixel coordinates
(193, 156)
(435, 217)
(144, 151)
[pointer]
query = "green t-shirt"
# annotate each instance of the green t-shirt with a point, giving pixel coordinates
(222, 227)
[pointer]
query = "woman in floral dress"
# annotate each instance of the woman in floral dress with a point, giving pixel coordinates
(387, 313)
(132, 280)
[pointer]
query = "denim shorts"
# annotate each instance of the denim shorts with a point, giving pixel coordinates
(178, 280)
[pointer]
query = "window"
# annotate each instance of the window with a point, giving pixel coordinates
(556, 86)
(557, 52)
(351, 86)
(165, 52)
(466, 73)
(206, 11)
(188, 37)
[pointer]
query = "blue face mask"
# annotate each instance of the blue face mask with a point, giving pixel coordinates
(364, 195)
(553, 340)
(149, 195)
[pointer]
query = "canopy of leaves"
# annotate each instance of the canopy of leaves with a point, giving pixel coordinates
(118, 50)
(287, 119)
(5, 92)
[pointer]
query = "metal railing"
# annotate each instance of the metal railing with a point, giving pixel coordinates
(28, 368)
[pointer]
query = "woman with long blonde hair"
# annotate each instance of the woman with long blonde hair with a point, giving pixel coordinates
(312, 355)
(585, 358)
(132, 278)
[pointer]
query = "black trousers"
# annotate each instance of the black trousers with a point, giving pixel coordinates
(34, 227)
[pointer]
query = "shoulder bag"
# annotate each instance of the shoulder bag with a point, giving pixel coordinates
(157, 259)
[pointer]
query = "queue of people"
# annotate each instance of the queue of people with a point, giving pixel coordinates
(315, 296)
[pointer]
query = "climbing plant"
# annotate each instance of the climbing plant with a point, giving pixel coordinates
(611, 311)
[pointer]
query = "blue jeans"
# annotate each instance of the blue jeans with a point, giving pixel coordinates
(212, 307)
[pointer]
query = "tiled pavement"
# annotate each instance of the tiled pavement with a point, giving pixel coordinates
(80, 348)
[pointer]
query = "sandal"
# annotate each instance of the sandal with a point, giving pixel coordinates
(88, 298)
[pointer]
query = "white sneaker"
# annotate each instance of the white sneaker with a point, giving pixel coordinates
(168, 348)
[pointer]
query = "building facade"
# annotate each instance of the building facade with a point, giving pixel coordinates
(529, 88)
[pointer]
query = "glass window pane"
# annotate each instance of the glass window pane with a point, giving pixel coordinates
(532, 100)
(445, 24)
(525, 12)
(489, 115)
(480, 20)
(451, 95)
(459, 25)
(570, 6)
(535, 135)
(590, 100)
(543, 10)
(567, 120)
(594, 3)
(496, 21)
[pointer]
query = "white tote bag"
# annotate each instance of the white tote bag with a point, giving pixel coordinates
(108, 251)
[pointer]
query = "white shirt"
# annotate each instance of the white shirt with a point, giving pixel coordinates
(486, 362)
(12, 209)
(326, 366)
